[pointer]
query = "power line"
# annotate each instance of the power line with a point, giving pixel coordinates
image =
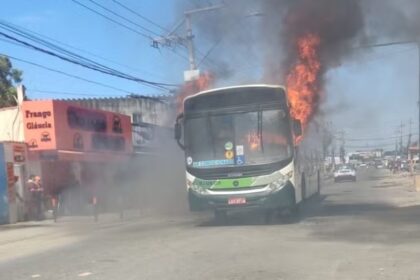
(218, 42)
(210, 51)
(205, 58)
(139, 15)
(372, 146)
(127, 27)
(371, 139)
(55, 92)
(64, 73)
(124, 18)
(386, 44)
(121, 24)
(101, 68)
(380, 57)
(64, 93)
(112, 20)
(29, 32)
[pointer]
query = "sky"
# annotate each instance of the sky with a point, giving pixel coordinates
(371, 96)
(366, 96)
(72, 24)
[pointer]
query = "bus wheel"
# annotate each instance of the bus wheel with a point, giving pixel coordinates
(303, 186)
(268, 216)
(220, 216)
(294, 214)
(319, 182)
(289, 215)
(294, 210)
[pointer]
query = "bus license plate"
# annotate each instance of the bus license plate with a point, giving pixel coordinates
(237, 201)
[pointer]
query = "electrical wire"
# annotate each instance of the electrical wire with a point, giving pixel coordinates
(207, 54)
(131, 29)
(102, 69)
(112, 20)
(139, 15)
(63, 93)
(124, 18)
(64, 73)
(370, 147)
(44, 38)
(374, 139)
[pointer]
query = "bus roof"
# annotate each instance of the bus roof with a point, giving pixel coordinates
(234, 87)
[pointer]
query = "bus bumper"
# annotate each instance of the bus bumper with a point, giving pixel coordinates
(280, 199)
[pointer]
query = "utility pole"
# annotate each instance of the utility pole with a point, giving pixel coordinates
(334, 139)
(397, 141)
(187, 40)
(342, 149)
(418, 141)
(396, 148)
(417, 43)
(409, 137)
(190, 42)
(21, 93)
(401, 138)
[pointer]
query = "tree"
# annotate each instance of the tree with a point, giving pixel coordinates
(9, 77)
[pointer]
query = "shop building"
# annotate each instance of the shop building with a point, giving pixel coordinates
(13, 161)
(67, 145)
(152, 118)
(157, 111)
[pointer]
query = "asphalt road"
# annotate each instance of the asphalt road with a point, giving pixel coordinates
(364, 230)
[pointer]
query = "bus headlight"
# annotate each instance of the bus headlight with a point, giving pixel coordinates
(278, 184)
(198, 189)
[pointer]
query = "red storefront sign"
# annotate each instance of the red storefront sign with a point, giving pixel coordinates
(57, 127)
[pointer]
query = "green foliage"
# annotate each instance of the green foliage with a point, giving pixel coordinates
(8, 79)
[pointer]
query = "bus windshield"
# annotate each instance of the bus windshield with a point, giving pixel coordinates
(246, 138)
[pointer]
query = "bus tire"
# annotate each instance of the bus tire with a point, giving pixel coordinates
(268, 216)
(193, 203)
(220, 216)
(319, 182)
(303, 186)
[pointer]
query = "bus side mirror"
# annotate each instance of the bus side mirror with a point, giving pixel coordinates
(178, 130)
(297, 128)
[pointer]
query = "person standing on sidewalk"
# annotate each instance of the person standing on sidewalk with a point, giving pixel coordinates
(30, 201)
(35, 191)
(39, 198)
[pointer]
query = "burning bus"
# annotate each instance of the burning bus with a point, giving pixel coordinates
(241, 151)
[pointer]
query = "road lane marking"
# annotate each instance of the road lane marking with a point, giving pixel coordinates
(84, 274)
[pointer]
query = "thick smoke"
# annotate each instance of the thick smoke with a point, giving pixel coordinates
(255, 41)
(336, 22)
(228, 39)
(390, 19)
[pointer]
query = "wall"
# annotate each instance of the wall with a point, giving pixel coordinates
(11, 125)
(151, 110)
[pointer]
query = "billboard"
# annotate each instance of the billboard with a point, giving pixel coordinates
(59, 125)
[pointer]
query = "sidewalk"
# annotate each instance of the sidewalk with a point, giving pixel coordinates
(34, 237)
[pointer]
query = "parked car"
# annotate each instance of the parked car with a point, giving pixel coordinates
(345, 174)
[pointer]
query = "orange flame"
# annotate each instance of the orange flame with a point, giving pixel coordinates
(303, 79)
(254, 141)
(203, 82)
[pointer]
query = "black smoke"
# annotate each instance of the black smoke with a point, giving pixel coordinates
(338, 23)
(256, 40)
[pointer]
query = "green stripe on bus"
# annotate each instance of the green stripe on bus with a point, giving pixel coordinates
(231, 183)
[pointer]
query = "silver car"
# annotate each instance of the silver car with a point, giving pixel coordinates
(345, 174)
